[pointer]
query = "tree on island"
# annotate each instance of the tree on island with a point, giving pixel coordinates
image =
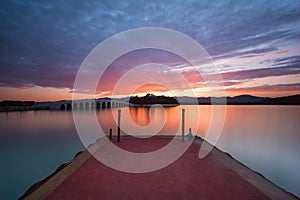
(150, 99)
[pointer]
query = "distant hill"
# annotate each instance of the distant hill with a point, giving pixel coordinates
(242, 100)
(245, 99)
(253, 100)
(290, 100)
(6, 106)
(16, 103)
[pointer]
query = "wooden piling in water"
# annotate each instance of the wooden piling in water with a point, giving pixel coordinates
(182, 124)
(119, 123)
(110, 134)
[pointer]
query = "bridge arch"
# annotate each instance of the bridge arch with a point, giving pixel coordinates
(62, 107)
(80, 105)
(75, 106)
(69, 106)
(87, 105)
(98, 105)
(92, 105)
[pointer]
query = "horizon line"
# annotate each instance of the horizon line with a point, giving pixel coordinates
(145, 95)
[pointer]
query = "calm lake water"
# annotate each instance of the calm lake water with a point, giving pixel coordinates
(34, 143)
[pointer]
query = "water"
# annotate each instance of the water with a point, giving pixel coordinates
(34, 143)
(32, 146)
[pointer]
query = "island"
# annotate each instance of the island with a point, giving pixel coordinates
(151, 99)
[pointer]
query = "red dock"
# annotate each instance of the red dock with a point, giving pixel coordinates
(217, 176)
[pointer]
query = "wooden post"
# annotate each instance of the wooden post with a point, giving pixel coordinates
(110, 134)
(182, 124)
(119, 123)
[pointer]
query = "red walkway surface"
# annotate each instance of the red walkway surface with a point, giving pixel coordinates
(187, 178)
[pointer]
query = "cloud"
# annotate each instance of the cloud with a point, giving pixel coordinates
(288, 61)
(246, 52)
(261, 73)
(277, 87)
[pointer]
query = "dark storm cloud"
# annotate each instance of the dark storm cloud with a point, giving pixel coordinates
(44, 42)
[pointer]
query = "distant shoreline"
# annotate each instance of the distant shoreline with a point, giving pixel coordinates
(10, 106)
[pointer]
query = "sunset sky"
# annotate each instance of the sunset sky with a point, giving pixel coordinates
(255, 46)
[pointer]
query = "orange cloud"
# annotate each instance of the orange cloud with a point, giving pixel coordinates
(150, 88)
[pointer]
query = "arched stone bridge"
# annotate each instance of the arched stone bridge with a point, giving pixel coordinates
(88, 104)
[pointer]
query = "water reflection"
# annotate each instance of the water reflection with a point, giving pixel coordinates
(140, 116)
(265, 138)
(142, 121)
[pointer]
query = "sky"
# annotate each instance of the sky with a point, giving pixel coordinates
(255, 46)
